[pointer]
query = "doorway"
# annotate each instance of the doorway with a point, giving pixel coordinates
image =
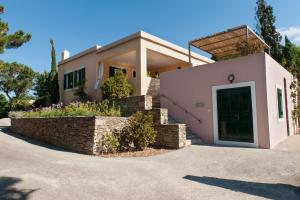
(235, 114)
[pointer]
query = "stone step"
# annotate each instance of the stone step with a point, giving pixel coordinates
(191, 138)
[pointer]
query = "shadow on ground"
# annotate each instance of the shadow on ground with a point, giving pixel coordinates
(6, 130)
(267, 190)
(9, 192)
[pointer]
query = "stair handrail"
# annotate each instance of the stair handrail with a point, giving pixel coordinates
(181, 107)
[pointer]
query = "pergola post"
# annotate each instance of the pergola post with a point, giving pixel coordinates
(190, 60)
(247, 35)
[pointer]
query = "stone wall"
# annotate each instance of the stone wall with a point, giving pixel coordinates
(103, 126)
(130, 105)
(85, 134)
(171, 135)
(79, 134)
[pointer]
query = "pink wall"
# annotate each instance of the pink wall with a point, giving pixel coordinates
(275, 75)
(187, 87)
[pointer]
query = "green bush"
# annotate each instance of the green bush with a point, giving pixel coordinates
(74, 109)
(20, 104)
(80, 94)
(116, 86)
(3, 106)
(111, 142)
(139, 132)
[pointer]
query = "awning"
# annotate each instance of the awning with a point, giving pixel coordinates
(226, 43)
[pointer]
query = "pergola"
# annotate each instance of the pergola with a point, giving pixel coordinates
(225, 43)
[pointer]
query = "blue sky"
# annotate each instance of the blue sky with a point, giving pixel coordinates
(79, 24)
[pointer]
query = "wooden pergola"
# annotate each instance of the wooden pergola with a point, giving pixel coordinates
(225, 43)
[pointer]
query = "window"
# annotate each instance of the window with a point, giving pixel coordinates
(68, 80)
(280, 103)
(112, 70)
(79, 77)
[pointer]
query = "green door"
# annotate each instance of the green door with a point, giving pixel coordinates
(235, 120)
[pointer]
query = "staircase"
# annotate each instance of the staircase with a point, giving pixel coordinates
(154, 90)
(191, 138)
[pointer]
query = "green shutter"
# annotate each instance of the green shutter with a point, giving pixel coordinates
(280, 106)
(83, 75)
(65, 81)
(75, 78)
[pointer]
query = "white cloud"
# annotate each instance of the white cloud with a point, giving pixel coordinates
(292, 32)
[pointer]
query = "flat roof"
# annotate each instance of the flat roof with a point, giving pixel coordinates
(141, 34)
(225, 43)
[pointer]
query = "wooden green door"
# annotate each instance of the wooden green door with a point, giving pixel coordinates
(235, 120)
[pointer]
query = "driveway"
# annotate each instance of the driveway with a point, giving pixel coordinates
(30, 170)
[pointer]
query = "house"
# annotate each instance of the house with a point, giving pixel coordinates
(140, 56)
(244, 101)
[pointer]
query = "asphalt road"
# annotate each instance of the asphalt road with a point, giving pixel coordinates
(30, 170)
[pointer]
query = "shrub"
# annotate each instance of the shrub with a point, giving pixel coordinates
(111, 142)
(139, 132)
(3, 106)
(116, 86)
(80, 94)
(20, 104)
(74, 109)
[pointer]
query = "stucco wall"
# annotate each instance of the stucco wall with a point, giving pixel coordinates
(275, 74)
(138, 43)
(89, 61)
(191, 88)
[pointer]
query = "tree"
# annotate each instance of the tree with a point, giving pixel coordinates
(15, 79)
(41, 85)
(53, 77)
(53, 57)
(116, 86)
(3, 106)
(291, 57)
(266, 28)
(10, 41)
(46, 85)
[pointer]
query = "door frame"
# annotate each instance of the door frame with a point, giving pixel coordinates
(254, 114)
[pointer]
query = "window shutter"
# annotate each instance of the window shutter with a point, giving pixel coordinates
(83, 75)
(280, 106)
(65, 81)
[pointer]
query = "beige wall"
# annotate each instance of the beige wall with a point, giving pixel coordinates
(275, 74)
(89, 61)
(139, 43)
(190, 86)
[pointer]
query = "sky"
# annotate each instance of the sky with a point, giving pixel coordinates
(76, 25)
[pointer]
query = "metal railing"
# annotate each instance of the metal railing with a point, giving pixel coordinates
(181, 107)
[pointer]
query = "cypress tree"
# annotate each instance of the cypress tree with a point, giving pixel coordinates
(53, 82)
(266, 28)
(53, 57)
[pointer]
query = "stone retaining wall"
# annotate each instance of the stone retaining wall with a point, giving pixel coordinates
(171, 135)
(85, 134)
(130, 105)
(79, 134)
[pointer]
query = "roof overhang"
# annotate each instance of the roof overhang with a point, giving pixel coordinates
(226, 43)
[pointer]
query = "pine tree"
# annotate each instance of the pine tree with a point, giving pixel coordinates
(266, 28)
(11, 41)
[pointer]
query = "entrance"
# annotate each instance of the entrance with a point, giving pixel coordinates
(234, 114)
(235, 120)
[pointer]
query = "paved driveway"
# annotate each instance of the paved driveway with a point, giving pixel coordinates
(29, 170)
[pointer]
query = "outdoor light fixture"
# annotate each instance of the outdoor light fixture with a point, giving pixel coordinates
(230, 78)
